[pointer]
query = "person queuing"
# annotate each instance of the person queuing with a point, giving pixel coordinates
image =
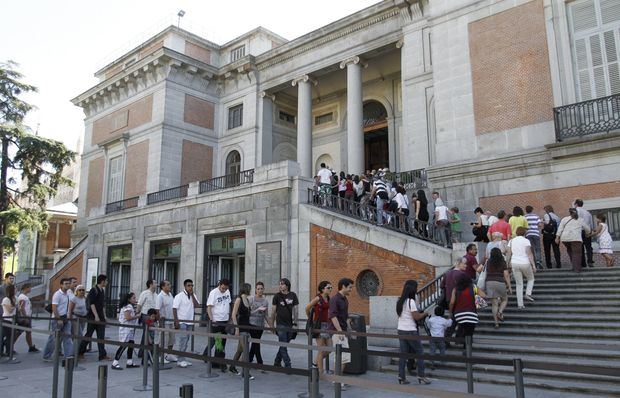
(166, 318)
(522, 263)
(126, 334)
(9, 280)
(60, 309)
(408, 315)
(241, 319)
(183, 307)
(77, 309)
(146, 301)
(463, 305)
(96, 301)
(571, 232)
(25, 314)
(339, 317)
(318, 307)
(284, 314)
(259, 310)
(9, 308)
(218, 308)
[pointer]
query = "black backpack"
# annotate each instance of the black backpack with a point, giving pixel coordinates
(552, 227)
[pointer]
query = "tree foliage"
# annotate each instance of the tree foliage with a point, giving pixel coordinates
(39, 161)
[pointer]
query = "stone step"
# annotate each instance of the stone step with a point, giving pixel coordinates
(576, 335)
(546, 352)
(566, 324)
(612, 317)
(540, 341)
(575, 300)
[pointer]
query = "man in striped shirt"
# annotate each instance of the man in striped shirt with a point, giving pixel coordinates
(379, 191)
(533, 234)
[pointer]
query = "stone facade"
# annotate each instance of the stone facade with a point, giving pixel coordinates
(465, 93)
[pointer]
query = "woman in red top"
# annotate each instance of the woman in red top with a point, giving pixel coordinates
(320, 313)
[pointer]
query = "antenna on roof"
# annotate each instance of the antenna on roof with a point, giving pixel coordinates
(180, 14)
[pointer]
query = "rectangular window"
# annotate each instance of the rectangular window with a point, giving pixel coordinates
(287, 117)
(235, 116)
(595, 28)
(322, 119)
(613, 220)
(115, 179)
(237, 53)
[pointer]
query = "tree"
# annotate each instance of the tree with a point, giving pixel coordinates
(38, 160)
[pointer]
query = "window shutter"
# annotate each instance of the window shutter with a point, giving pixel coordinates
(610, 11)
(584, 16)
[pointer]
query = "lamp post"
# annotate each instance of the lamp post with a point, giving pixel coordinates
(180, 14)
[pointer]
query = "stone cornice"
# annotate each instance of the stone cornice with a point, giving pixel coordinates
(346, 26)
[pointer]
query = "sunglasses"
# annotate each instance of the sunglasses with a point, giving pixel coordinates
(328, 287)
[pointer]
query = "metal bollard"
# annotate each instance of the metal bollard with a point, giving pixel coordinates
(56, 360)
(145, 362)
(338, 371)
(102, 381)
(162, 342)
(68, 377)
(314, 391)
(12, 360)
(186, 391)
(246, 370)
(310, 369)
(76, 344)
(209, 374)
(156, 371)
(470, 366)
(191, 347)
(518, 367)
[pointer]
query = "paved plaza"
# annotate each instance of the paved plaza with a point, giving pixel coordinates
(33, 378)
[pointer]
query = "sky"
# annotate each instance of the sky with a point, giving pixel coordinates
(61, 44)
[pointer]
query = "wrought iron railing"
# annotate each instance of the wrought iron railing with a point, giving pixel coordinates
(365, 211)
(227, 181)
(167, 194)
(412, 179)
(121, 205)
(600, 115)
(430, 293)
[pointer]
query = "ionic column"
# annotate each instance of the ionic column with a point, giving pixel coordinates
(304, 124)
(355, 122)
(265, 145)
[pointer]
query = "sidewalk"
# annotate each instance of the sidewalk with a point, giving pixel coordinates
(33, 378)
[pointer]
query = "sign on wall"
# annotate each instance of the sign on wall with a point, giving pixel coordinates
(268, 264)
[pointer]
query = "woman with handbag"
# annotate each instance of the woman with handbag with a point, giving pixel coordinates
(570, 233)
(317, 311)
(497, 281)
(240, 318)
(463, 305)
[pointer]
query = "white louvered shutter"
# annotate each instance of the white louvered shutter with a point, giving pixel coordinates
(596, 43)
(115, 179)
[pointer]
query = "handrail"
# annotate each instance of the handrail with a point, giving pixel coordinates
(411, 179)
(167, 194)
(227, 181)
(370, 214)
(599, 115)
(121, 205)
(430, 293)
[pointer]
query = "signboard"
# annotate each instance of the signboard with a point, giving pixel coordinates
(268, 264)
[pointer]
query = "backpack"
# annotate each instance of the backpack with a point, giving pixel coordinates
(552, 227)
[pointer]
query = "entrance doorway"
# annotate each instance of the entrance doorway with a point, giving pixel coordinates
(165, 259)
(225, 259)
(376, 146)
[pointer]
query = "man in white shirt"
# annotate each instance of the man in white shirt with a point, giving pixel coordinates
(442, 230)
(218, 308)
(73, 282)
(183, 307)
(25, 312)
(163, 305)
(146, 301)
(60, 307)
(325, 182)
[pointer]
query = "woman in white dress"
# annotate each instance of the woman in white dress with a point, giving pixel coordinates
(604, 240)
(127, 316)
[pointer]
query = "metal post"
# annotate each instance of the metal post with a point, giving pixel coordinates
(68, 377)
(310, 368)
(209, 374)
(246, 370)
(155, 371)
(56, 362)
(12, 360)
(102, 381)
(518, 367)
(76, 342)
(470, 366)
(338, 371)
(191, 347)
(162, 342)
(186, 391)
(314, 392)
(145, 362)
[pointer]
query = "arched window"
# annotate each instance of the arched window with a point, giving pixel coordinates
(233, 163)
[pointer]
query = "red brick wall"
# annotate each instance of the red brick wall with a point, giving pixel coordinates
(198, 112)
(73, 268)
(334, 256)
(95, 184)
(197, 162)
(116, 123)
(136, 169)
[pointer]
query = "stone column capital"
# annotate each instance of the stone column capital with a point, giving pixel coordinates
(353, 61)
(304, 78)
(267, 95)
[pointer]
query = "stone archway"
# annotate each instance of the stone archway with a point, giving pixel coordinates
(376, 142)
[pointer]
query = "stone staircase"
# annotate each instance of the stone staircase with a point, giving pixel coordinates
(569, 310)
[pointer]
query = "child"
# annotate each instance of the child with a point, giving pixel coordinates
(127, 316)
(438, 325)
(151, 321)
(604, 240)
(455, 225)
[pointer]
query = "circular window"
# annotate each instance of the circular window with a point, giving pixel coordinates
(367, 283)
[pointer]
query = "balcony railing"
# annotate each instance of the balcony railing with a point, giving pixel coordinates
(167, 194)
(121, 205)
(227, 181)
(412, 179)
(600, 115)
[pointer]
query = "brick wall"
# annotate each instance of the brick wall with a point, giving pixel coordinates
(136, 169)
(50, 239)
(197, 52)
(197, 162)
(95, 184)
(511, 79)
(72, 269)
(334, 256)
(198, 112)
(116, 123)
(64, 238)
(151, 49)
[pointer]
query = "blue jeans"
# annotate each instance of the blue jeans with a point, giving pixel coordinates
(283, 336)
(410, 347)
(380, 211)
(65, 338)
(434, 344)
(183, 339)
